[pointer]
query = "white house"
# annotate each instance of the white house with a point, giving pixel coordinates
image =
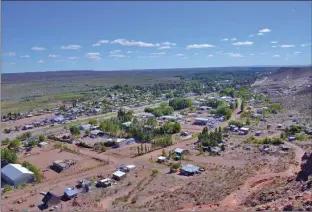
(16, 174)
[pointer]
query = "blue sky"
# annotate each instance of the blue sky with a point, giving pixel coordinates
(49, 36)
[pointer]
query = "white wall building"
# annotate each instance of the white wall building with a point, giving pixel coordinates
(16, 174)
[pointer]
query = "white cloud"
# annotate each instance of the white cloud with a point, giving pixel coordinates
(179, 55)
(164, 47)
(96, 44)
(225, 39)
(297, 52)
(129, 52)
(25, 56)
(71, 47)
(259, 33)
(168, 44)
(36, 48)
(273, 46)
(103, 41)
(52, 55)
(114, 51)
(246, 43)
(210, 55)
(250, 36)
(184, 57)
(251, 54)
(274, 42)
(236, 55)
(233, 39)
(276, 55)
(196, 53)
(40, 61)
(306, 44)
(12, 63)
(266, 30)
(93, 56)
(125, 42)
(287, 46)
(10, 54)
(263, 53)
(159, 53)
(199, 46)
(117, 55)
(72, 58)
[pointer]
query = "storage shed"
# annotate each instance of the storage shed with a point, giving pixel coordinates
(16, 174)
(70, 193)
(189, 169)
(118, 175)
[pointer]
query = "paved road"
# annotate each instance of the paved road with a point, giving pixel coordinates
(49, 129)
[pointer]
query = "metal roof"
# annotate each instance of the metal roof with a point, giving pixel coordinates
(71, 192)
(178, 150)
(14, 171)
(119, 173)
(190, 168)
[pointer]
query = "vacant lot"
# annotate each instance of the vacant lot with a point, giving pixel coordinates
(43, 158)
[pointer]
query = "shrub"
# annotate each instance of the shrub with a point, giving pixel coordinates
(8, 155)
(34, 169)
(236, 123)
(41, 138)
(7, 188)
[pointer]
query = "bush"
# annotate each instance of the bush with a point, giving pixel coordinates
(273, 141)
(34, 169)
(224, 111)
(8, 155)
(15, 143)
(236, 123)
(5, 141)
(301, 137)
(41, 138)
(74, 130)
(93, 121)
(7, 188)
(174, 167)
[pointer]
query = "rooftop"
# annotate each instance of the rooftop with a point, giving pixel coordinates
(14, 171)
(119, 173)
(178, 150)
(190, 168)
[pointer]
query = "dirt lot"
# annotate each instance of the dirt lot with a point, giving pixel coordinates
(48, 154)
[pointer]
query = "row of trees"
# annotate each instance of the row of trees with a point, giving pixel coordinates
(180, 103)
(163, 109)
(224, 111)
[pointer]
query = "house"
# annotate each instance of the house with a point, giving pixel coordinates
(245, 130)
(161, 159)
(61, 165)
(201, 121)
(189, 170)
(51, 199)
(104, 183)
(120, 142)
(178, 153)
(85, 127)
(70, 193)
(16, 174)
(118, 175)
(42, 144)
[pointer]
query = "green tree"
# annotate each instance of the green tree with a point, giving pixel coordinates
(74, 130)
(34, 169)
(243, 105)
(93, 121)
(15, 143)
(8, 155)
